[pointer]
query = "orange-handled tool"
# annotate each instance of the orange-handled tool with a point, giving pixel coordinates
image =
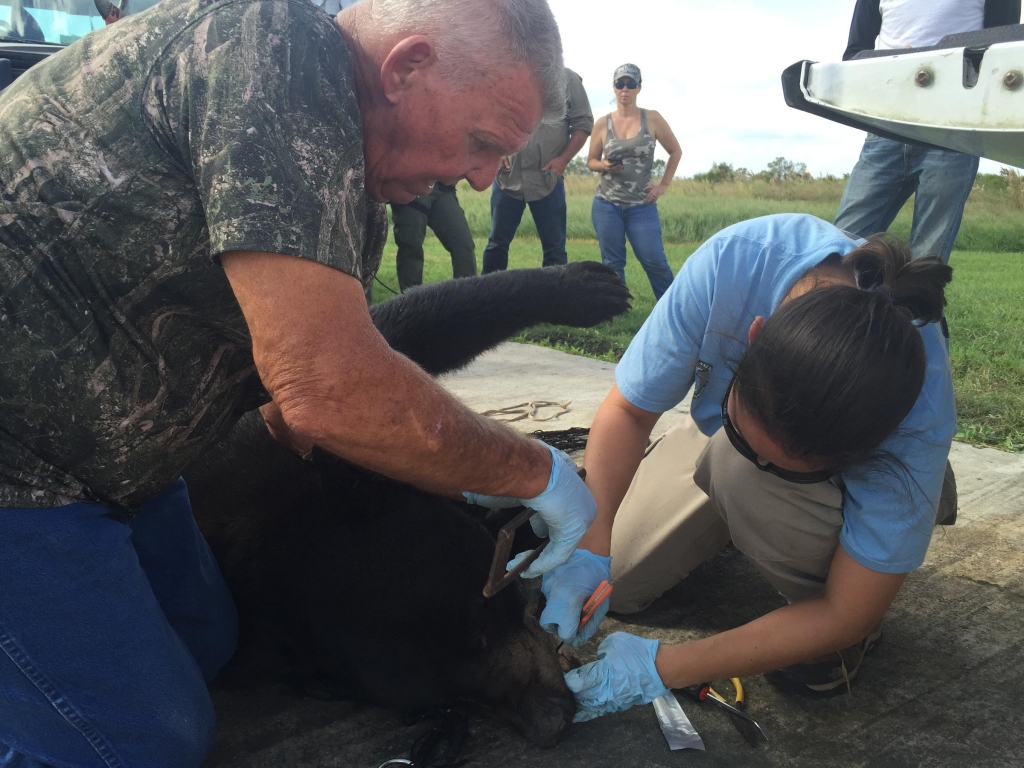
(602, 593)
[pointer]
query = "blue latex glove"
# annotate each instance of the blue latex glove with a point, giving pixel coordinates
(567, 588)
(565, 510)
(623, 676)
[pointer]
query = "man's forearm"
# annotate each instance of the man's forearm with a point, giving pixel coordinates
(444, 447)
(339, 385)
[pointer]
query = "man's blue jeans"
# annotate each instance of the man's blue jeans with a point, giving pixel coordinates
(506, 213)
(109, 630)
(640, 223)
(888, 173)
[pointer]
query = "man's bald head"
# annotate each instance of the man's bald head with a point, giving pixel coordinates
(479, 37)
(448, 87)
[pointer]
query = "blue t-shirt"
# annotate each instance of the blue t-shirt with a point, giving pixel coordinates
(698, 331)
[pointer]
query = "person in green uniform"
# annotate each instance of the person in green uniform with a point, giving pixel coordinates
(440, 210)
(191, 203)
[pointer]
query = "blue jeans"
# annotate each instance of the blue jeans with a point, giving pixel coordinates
(109, 630)
(888, 173)
(506, 213)
(640, 223)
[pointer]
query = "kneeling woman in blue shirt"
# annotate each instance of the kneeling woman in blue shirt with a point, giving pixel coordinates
(820, 428)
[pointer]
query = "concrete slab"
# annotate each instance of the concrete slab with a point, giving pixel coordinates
(941, 690)
(517, 373)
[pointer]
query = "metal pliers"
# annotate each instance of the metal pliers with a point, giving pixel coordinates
(748, 727)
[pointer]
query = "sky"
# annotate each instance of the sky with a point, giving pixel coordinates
(713, 70)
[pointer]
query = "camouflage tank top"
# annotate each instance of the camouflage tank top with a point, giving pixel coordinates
(628, 186)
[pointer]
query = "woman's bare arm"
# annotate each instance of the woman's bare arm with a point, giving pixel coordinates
(618, 439)
(594, 160)
(661, 132)
(854, 601)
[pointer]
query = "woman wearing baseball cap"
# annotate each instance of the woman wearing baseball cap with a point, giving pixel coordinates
(622, 151)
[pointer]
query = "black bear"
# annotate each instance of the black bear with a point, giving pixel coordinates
(374, 588)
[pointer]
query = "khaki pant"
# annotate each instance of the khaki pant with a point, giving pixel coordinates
(692, 494)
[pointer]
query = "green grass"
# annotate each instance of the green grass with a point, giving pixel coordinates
(986, 325)
(692, 211)
(986, 318)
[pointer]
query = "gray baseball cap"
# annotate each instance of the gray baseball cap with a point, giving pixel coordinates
(627, 70)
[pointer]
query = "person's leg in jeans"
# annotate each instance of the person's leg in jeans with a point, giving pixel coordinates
(944, 182)
(185, 578)
(448, 221)
(610, 226)
(410, 224)
(879, 185)
(643, 228)
(506, 213)
(93, 671)
(549, 217)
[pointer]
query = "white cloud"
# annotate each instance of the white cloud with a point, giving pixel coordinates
(713, 70)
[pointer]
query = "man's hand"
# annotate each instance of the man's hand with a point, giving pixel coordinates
(506, 161)
(567, 588)
(623, 676)
(558, 165)
(565, 509)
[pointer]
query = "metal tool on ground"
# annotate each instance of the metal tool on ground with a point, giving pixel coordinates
(748, 727)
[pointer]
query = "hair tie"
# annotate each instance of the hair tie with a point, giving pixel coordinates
(898, 301)
(883, 289)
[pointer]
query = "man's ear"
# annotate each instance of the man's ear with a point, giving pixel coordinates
(405, 66)
(755, 329)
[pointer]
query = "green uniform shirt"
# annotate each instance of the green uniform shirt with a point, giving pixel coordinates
(525, 180)
(128, 162)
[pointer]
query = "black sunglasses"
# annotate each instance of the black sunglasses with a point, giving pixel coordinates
(741, 445)
(624, 83)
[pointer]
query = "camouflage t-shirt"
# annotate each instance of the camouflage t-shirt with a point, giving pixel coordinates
(128, 162)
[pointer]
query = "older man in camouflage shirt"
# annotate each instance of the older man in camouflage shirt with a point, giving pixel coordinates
(190, 208)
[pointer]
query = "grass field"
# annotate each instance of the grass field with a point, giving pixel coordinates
(692, 211)
(986, 299)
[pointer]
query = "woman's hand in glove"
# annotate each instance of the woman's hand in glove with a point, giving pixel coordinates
(623, 676)
(567, 588)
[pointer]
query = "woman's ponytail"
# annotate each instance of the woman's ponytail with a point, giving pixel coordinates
(884, 265)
